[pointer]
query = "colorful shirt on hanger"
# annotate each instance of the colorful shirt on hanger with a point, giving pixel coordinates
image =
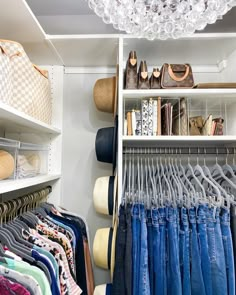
(40, 242)
(26, 280)
(26, 268)
(9, 288)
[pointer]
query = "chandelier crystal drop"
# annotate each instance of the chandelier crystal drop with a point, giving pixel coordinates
(160, 19)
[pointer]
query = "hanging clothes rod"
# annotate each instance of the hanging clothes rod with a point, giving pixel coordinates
(181, 151)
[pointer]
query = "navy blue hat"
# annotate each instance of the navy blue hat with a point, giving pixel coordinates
(106, 144)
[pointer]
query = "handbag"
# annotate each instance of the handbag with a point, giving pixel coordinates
(177, 76)
(195, 125)
(180, 118)
(155, 79)
(30, 90)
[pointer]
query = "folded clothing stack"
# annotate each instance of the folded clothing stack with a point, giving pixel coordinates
(28, 165)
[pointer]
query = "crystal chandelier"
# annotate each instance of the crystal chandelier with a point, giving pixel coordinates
(160, 19)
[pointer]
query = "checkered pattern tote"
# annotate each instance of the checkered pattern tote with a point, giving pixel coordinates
(5, 76)
(29, 87)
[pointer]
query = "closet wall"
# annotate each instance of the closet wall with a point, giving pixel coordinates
(81, 120)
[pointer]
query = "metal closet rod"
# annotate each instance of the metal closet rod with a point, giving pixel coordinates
(180, 151)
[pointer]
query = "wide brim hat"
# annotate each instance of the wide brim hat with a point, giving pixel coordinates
(106, 144)
(105, 94)
(104, 248)
(104, 195)
(7, 164)
(105, 289)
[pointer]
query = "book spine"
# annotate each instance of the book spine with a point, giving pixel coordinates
(129, 123)
(150, 117)
(133, 122)
(155, 118)
(138, 130)
(144, 117)
(159, 116)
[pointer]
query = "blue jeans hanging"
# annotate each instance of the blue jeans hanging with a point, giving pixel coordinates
(136, 241)
(150, 248)
(184, 252)
(144, 284)
(228, 248)
(216, 253)
(173, 266)
(204, 253)
(197, 283)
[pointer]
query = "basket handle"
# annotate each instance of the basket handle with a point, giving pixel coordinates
(42, 72)
(178, 79)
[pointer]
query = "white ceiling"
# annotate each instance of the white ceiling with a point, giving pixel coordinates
(75, 17)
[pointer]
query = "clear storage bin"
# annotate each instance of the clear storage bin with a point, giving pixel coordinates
(32, 160)
(8, 155)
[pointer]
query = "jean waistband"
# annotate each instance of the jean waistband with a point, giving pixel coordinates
(171, 214)
(192, 215)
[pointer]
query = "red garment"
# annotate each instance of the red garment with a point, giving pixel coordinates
(9, 288)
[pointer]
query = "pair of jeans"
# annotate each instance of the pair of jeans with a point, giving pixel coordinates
(156, 252)
(136, 241)
(128, 252)
(144, 284)
(228, 250)
(150, 249)
(173, 265)
(119, 274)
(184, 252)
(203, 245)
(197, 282)
(216, 253)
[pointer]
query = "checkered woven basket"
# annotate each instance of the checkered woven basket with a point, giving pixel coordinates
(5, 76)
(29, 86)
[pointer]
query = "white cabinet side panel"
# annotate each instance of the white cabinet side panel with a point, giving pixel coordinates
(80, 168)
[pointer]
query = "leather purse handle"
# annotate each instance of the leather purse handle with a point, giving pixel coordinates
(174, 77)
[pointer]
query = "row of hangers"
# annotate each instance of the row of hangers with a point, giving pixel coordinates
(16, 216)
(154, 179)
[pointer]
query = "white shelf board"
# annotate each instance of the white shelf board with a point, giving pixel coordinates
(13, 185)
(178, 140)
(192, 93)
(16, 121)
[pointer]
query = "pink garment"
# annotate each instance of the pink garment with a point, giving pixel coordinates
(9, 288)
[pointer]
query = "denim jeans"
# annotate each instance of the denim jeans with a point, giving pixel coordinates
(228, 248)
(159, 231)
(184, 252)
(119, 274)
(197, 283)
(128, 252)
(150, 249)
(144, 284)
(173, 265)
(216, 253)
(136, 242)
(203, 245)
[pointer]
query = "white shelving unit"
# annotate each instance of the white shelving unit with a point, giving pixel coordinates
(7, 186)
(212, 57)
(14, 120)
(192, 93)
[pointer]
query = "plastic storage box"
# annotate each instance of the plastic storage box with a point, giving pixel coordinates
(32, 160)
(8, 156)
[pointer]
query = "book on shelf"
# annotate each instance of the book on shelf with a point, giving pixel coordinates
(129, 123)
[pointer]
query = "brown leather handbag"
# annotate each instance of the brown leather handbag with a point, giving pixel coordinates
(176, 76)
(155, 79)
(131, 75)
